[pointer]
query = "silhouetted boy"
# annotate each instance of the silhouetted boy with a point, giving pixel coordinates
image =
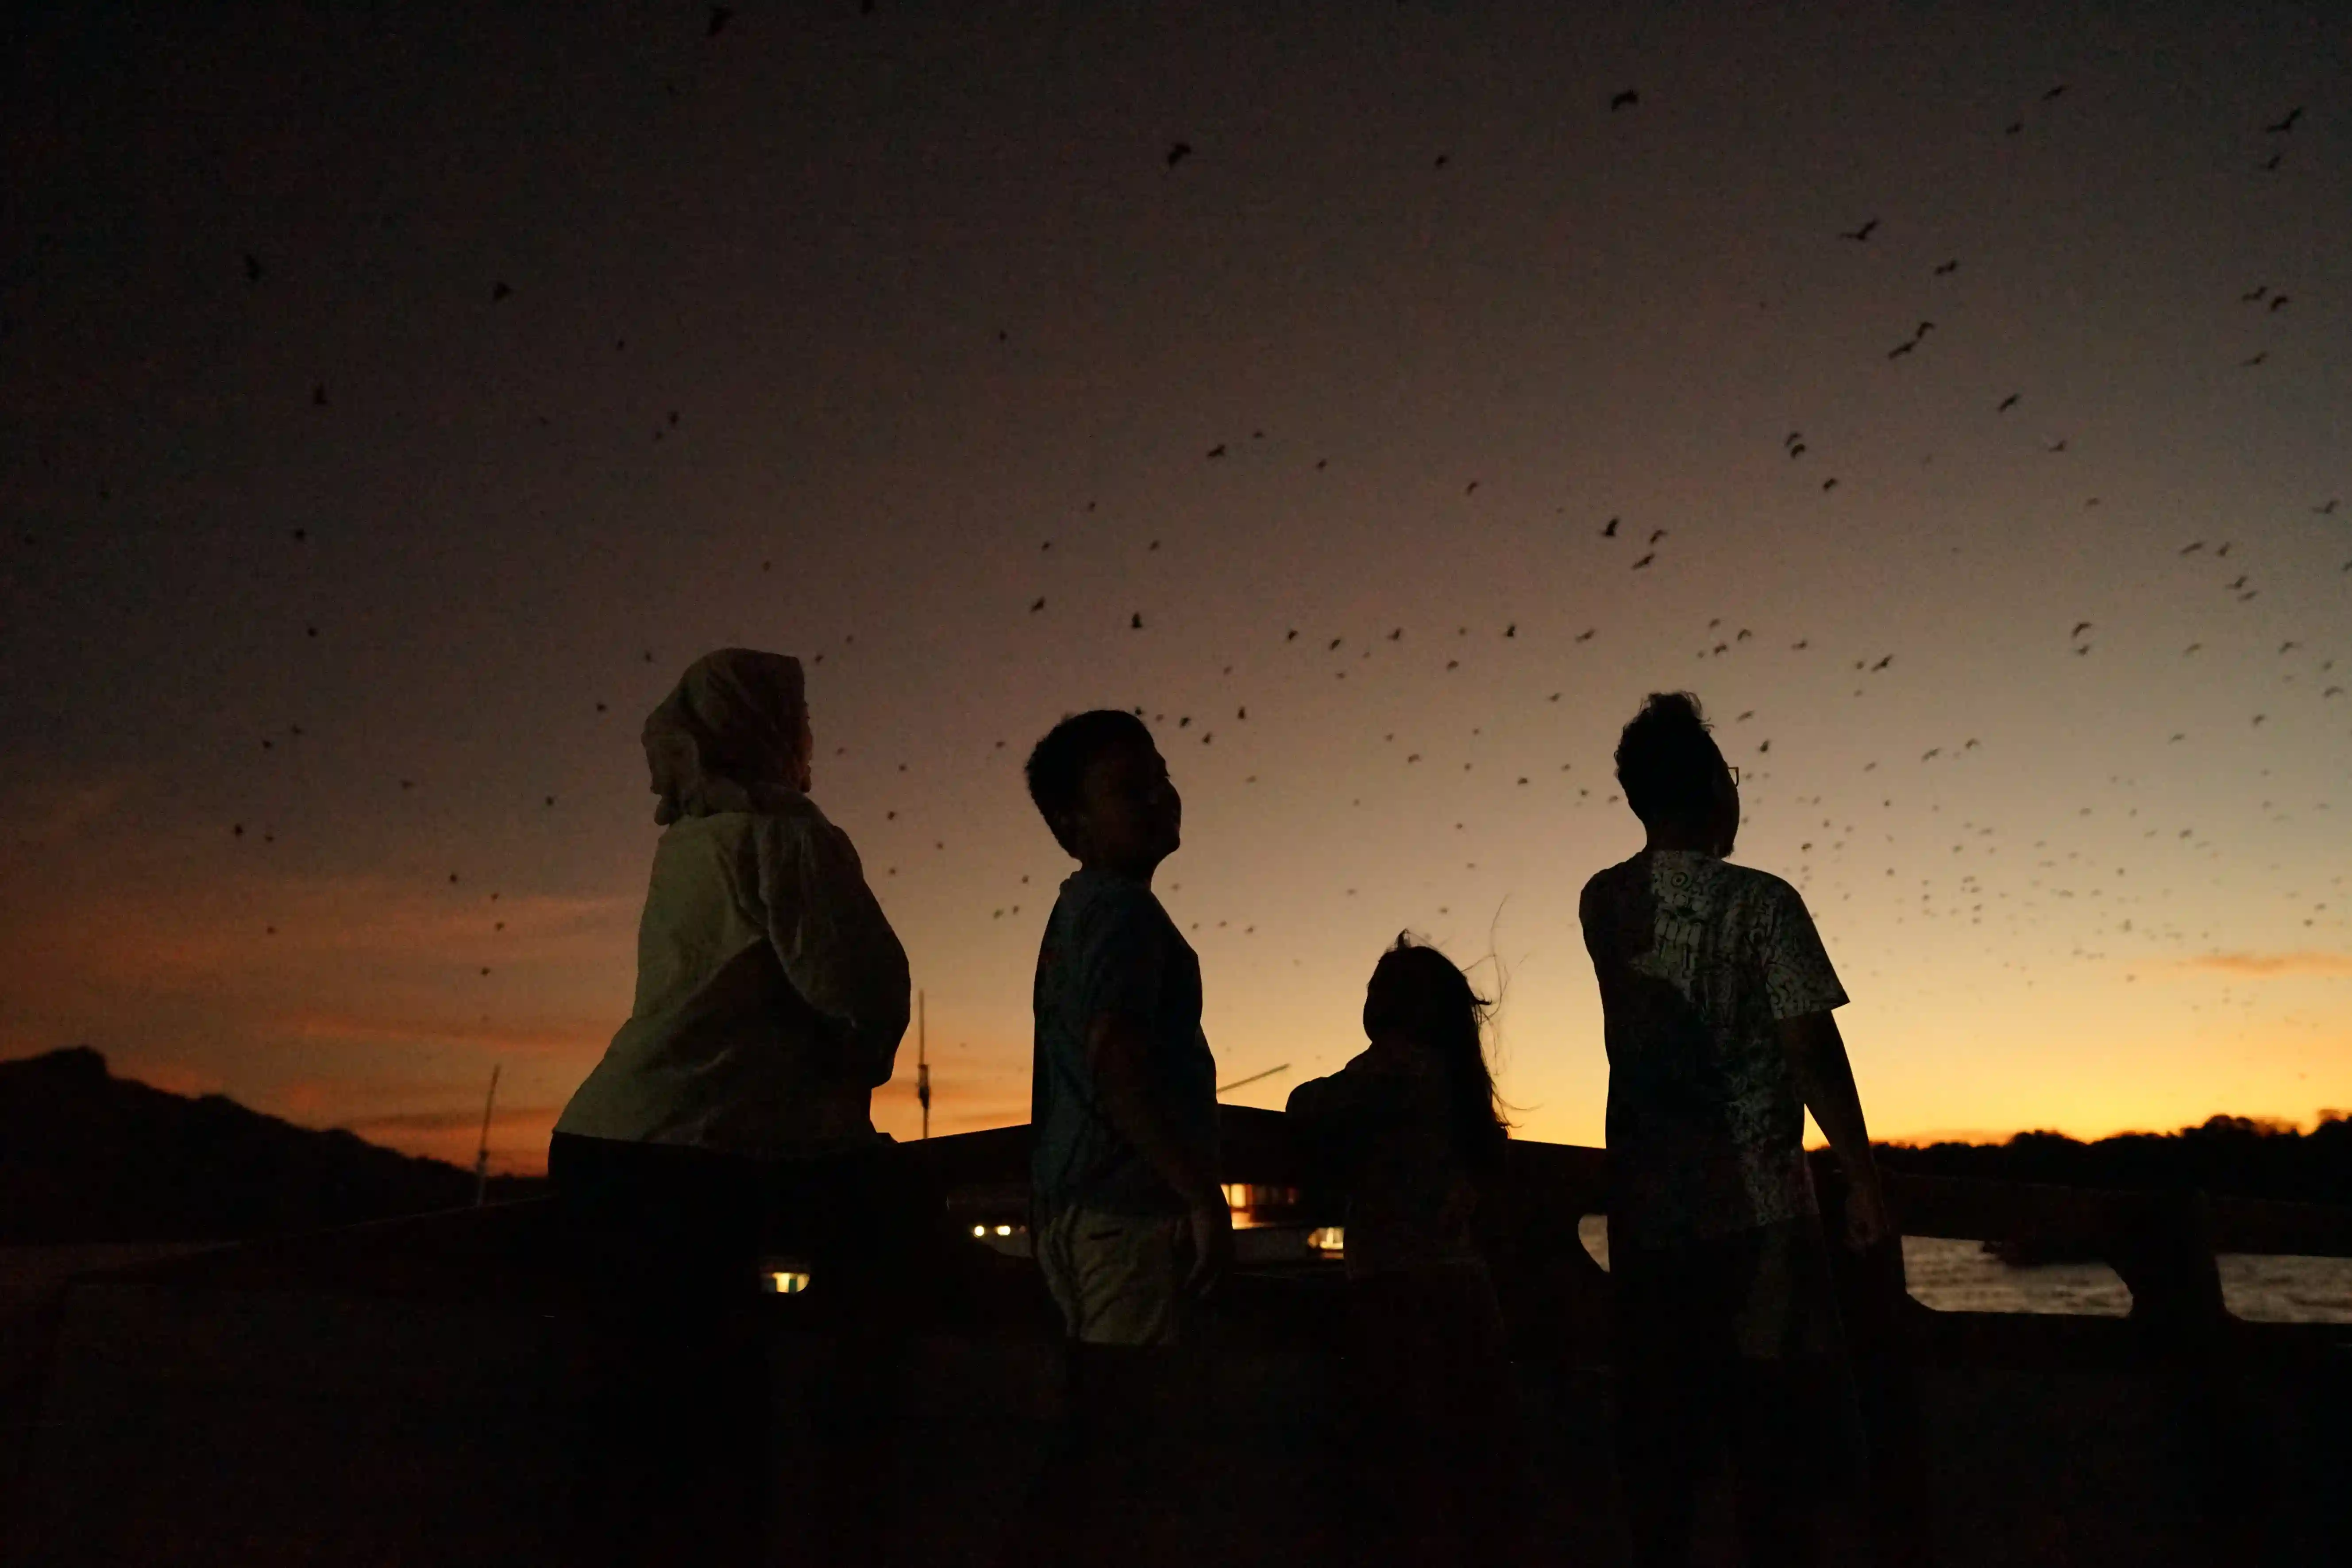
(1130, 1224)
(1718, 995)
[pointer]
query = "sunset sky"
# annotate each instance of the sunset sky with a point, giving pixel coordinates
(393, 401)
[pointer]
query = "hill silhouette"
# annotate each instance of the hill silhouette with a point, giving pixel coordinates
(86, 1156)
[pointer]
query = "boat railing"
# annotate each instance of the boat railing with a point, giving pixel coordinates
(2163, 1245)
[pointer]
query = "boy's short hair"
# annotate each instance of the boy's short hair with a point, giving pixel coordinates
(1058, 764)
(1666, 759)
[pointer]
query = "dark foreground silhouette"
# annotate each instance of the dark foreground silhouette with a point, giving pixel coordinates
(381, 1391)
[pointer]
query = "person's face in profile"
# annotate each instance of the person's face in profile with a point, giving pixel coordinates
(803, 759)
(1723, 815)
(1391, 1001)
(1130, 817)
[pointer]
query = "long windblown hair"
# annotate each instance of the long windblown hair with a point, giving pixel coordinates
(1451, 1019)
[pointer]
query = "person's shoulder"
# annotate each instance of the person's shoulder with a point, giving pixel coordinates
(1763, 889)
(1756, 880)
(1094, 897)
(1611, 873)
(1322, 1093)
(1609, 878)
(784, 821)
(725, 833)
(788, 807)
(1307, 1098)
(769, 810)
(1368, 1062)
(1386, 1063)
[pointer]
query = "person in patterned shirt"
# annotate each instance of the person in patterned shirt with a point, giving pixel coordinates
(1717, 995)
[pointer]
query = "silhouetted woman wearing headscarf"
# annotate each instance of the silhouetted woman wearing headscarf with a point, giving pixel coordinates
(771, 993)
(730, 1118)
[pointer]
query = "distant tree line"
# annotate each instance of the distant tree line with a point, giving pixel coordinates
(2242, 1156)
(86, 1156)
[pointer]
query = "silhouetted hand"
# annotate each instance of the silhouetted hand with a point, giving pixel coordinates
(1867, 1223)
(1211, 1224)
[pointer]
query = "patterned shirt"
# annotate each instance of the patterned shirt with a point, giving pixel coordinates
(1698, 960)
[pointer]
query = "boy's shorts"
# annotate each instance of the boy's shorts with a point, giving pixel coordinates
(1117, 1278)
(1763, 1294)
(1747, 1321)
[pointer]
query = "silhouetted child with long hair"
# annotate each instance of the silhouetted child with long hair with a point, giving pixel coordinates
(1407, 1133)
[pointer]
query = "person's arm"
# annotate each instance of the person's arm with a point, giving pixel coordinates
(1118, 1050)
(1317, 1116)
(834, 943)
(1825, 1078)
(1804, 988)
(1305, 1119)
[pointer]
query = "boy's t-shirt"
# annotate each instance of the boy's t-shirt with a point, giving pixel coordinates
(1698, 960)
(1110, 948)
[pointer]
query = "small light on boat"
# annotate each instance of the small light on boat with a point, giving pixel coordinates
(1005, 1230)
(980, 1230)
(787, 1282)
(1332, 1240)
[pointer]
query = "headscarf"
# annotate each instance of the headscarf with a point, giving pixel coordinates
(728, 733)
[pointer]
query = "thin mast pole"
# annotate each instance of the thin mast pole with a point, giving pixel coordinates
(482, 1153)
(922, 1065)
(1252, 1077)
